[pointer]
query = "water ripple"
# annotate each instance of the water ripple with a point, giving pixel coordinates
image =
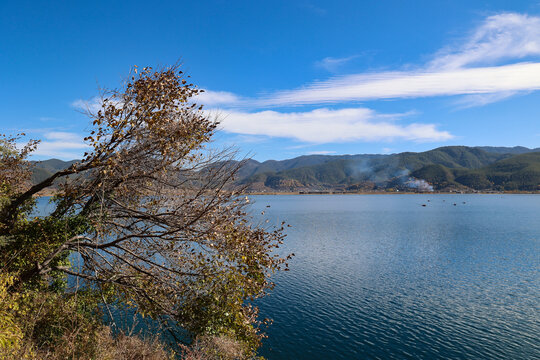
(377, 277)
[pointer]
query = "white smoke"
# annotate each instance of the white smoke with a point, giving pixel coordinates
(419, 184)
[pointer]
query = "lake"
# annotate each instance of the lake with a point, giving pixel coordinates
(383, 277)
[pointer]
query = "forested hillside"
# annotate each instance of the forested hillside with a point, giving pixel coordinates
(445, 168)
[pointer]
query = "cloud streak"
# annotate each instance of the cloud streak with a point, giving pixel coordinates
(62, 145)
(327, 125)
(333, 64)
(483, 99)
(93, 105)
(499, 37)
(207, 97)
(393, 85)
(321, 152)
(466, 69)
(213, 98)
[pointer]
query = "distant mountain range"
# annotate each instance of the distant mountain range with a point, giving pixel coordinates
(450, 168)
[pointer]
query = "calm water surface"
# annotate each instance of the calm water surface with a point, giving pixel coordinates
(382, 277)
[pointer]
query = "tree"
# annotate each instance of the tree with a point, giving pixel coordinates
(14, 170)
(151, 215)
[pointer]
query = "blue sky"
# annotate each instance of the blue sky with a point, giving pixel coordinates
(287, 78)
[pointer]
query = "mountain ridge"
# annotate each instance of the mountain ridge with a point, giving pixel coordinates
(448, 168)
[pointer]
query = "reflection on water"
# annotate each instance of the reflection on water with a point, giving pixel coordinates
(383, 277)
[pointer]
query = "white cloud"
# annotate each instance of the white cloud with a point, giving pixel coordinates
(62, 145)
(392, 85)
(207, 98)
(321, 152)
(92, 105)
(499, 37)
(458, 70)
(333, 64)
(326, 125)
(483, 99)
(213, 98)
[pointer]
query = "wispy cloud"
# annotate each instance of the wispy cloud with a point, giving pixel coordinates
(62, 145)
(479, 65)
(392, 85)
(463, 69)
(315, 9)
(208, 98)
(47, 119)
(213, 98)
(333, 64)
(93, 105)
(327, 125)
(483, 99)
(321, 152)
(499, 37)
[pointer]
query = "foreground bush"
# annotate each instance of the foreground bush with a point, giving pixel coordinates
(39, 325)
(214, 348)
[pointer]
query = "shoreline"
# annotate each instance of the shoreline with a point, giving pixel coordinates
(395, 193)
(53, 193)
